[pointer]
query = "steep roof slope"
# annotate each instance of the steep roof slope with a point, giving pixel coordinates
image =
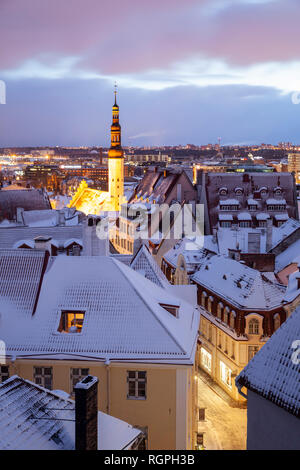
(20, 277)
(123, 316)
(239, 284)
(274, 372)
(33, 418)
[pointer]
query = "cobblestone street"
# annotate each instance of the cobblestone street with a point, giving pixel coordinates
(225, 426)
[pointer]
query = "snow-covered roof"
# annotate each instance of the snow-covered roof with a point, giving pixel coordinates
(281, 216)
(240, 285)
(274, 371)
(229, 202)
(284, 231)
(262, 216)
(195, 252)
(288, 256)
(143, 262)
(244, 216)
(20, 276)
(252, 202)
(25, 407)
(123, 316)
(273, 201)
(225, 217)
(10, 236)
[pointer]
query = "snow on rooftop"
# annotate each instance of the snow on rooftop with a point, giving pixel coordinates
(25, 407)
(274, 372)
(288, 256)
(238, 284)
(244, 216)
(122, 315)
(144, 261)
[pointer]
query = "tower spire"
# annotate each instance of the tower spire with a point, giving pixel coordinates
(115, 92)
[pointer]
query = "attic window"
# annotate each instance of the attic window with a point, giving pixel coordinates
(71, 321)
(172, 309)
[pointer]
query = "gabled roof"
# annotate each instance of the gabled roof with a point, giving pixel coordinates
(238, 284)
(25, 407)
(123, 316)
(274, 372)
(144, 263)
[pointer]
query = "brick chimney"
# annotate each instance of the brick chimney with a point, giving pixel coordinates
(86, 414)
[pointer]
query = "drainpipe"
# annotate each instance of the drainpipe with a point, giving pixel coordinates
(107, 365)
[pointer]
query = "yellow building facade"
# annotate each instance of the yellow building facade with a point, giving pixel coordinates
(167, 415)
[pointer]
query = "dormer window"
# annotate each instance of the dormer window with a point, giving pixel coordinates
(71, 321)
(223, 191)
(172, 309)
(238, 191)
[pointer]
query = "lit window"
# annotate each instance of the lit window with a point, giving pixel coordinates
(225, 374)
(43, 376)
(206, 359)
(137, 381)
(71, 322)
(76, 375)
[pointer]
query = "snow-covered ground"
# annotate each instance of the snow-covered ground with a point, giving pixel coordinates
(225, 427)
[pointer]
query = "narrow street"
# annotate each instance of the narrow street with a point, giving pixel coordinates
(225, 427)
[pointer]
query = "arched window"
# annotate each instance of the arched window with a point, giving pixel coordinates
(226, 315)
(220, 310)
(253, 327)
(276, 321)
(210, 303)
(203, 299)
(232, 319)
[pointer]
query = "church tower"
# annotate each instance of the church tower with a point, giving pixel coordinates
(116, 161)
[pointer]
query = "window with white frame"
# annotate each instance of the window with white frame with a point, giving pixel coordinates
(137, 381)
(76, 375)
(43, 376)
(4, 373)
(253, 327)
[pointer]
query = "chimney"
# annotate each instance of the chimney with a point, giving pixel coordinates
(20, 211)
(215, 235)
(61, 217)
(269, 235)
(43, 243)
(86, 414)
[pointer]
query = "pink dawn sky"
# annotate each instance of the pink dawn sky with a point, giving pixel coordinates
(188, 71)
